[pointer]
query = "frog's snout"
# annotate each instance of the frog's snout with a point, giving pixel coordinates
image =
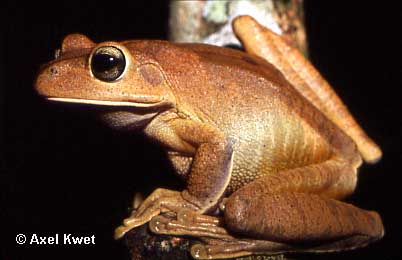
(60, 78)
(46, 79)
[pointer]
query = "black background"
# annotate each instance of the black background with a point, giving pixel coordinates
(64, 172)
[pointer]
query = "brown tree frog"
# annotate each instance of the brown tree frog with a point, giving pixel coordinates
(266, 148)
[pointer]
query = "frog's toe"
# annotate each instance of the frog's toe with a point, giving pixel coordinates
(120, 231)
(219, 251)
(130, 223)
(168, 226)
(199, 251)
(158, 225)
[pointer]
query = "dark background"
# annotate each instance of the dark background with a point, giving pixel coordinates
(64, 172)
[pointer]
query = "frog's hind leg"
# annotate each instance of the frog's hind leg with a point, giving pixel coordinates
(216, 241)
(298, 207)
(240, 247)
(293, 222)
(291, 211)
(303, 219)
(218, 249)
(189, 223)
(305, 78)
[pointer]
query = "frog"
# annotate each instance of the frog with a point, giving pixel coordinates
(265, 147)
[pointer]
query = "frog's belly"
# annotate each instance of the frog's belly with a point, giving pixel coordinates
(281, 143)
(260, 149)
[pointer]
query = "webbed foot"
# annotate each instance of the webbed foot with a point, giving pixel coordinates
(160, 201)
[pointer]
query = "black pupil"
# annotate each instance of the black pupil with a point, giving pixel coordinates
(108, 63)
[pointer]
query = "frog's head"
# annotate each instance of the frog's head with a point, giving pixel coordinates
(129, 88)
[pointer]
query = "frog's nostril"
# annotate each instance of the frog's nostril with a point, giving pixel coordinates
(53, 71)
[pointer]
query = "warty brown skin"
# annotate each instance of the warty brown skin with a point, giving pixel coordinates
(239, 133)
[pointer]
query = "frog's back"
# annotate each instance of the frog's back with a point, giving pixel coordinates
(274, 127)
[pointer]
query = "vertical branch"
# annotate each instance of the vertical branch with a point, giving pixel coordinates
(210, 21)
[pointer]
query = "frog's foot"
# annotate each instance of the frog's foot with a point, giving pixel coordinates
(233, 248)
(217, 242)
(189, 223)
(160, 201)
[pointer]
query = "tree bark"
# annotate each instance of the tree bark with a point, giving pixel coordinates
(210, 21)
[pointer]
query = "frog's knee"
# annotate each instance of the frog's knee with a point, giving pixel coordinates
(375, 227)
(235, 209)
(243, 215)
(273, 217)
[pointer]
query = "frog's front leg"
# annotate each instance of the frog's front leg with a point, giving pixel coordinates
(160, 201)
(207, 180)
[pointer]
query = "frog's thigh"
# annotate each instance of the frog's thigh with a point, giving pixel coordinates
(298, 206)
(294, 211)
(291, 222)
(299, 217)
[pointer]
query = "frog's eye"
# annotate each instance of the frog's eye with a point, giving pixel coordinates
(107, 63)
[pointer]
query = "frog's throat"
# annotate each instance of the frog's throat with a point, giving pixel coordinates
(107, 102)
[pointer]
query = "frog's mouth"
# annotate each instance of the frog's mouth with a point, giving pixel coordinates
(152, 104)
(123, 115)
